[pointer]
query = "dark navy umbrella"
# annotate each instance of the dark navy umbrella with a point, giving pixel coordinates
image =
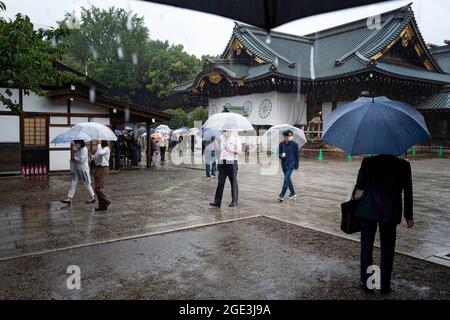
(375, 126)
(266, 14)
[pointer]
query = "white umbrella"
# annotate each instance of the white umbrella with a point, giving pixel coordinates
(228, 121)
(193, 131)
(276, 132)
(95, 131)
(178, 132)
(163, 129)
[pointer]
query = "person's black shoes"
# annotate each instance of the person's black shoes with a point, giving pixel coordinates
(385, 291)
(215, 204)
(101, 209)
(232, 205)
(365, 288)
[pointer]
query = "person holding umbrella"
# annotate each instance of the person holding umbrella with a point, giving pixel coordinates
(80, 172)
(228, 168)
(289, 153)
(229, 123)
(365, 126)
(101, 160)
(383, 178)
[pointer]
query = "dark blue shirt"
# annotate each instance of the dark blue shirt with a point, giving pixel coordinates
(292, 158)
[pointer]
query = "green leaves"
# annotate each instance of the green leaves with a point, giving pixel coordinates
(27, 56)
(199, 114)
(146, 70)
(115, 48)
(171, 67)
(181, 119)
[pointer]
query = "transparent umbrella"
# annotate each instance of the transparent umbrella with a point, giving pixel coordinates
(275, 133)
(163, 129)
(94, 130)
(68, 138)
(228, 121)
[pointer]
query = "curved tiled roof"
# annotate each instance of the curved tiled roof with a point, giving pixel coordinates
(438, 101)
(331, 53)
(412, 73)
(442, 56)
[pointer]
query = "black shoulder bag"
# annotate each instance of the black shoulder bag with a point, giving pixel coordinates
(350, 223)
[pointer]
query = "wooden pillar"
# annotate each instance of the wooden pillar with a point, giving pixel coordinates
(69, 102)
(149, 145)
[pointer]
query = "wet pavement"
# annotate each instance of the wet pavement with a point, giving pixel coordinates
(146, 202)
(256, 258)
(161, 239)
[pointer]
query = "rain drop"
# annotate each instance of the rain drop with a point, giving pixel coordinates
(130, 21)
(268, 39)
(127, 115)
(120, 52)
(92, 94)
(134, 58)
(53, 42)
(94, 53)
(118, 39)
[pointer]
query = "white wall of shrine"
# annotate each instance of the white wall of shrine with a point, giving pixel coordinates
(59, 155)
(270, 108)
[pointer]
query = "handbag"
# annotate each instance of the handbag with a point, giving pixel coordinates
(350, 223)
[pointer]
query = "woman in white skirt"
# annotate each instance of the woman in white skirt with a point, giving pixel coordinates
(80, 172)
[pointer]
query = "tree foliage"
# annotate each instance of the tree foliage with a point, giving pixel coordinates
(115, 48)
(179, 118)
(27, 56)
(170, 67)
(198, 114)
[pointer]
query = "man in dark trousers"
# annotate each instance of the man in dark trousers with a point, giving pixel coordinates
(288, 151)
(383, 179)
(228, 167)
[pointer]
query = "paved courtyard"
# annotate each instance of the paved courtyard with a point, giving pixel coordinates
(255, 258)
(173, 202)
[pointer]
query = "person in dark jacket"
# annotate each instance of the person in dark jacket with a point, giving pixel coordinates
(383, 179)
(288, 151)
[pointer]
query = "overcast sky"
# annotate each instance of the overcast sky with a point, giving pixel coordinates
(202, 33)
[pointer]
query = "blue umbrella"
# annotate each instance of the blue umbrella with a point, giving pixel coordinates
(209, 133)
(375, 126)
(141, 131)
(68, 138)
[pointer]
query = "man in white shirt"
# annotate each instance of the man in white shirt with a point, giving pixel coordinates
(230, 148)
(101, 159)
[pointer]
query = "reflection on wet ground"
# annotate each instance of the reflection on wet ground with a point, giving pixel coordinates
(256, 258)
(153, 201)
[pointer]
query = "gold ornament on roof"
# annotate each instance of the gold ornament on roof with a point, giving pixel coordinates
(405, 39)
(215, 78)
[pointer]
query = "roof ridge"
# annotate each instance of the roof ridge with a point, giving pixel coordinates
(333, 30)
(370, 37)
(284, 35)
